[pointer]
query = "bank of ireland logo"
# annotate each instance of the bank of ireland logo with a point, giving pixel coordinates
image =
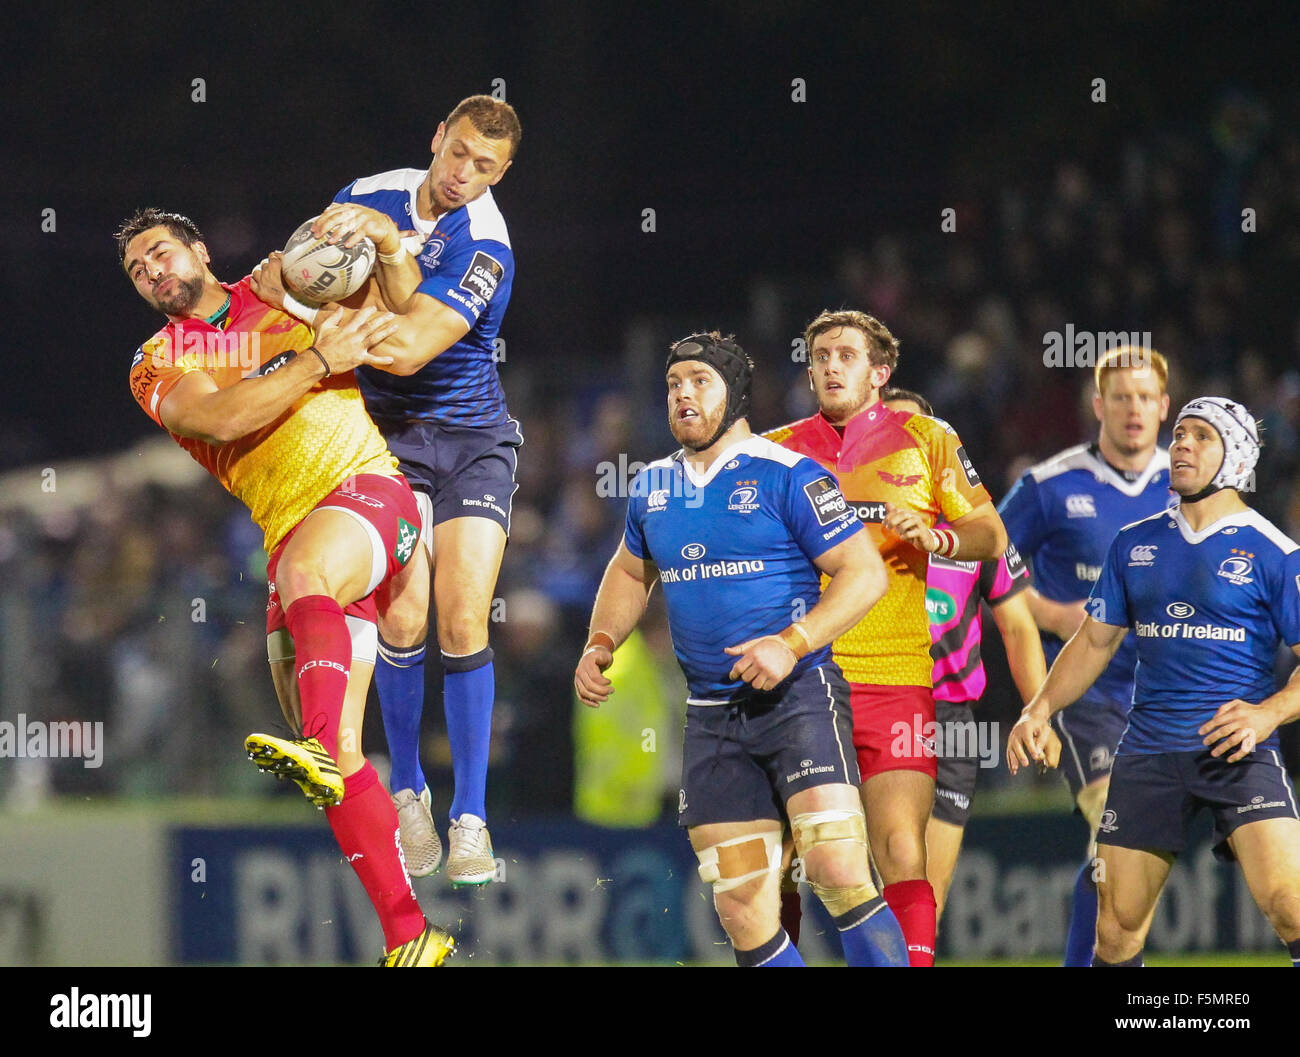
(1237, 568)
(744, 499)
(657, 500)
(693, 552)
(407, 534)
(1180, 610)
(1109, 821)
(1144, 554)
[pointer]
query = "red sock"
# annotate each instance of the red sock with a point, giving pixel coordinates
(323, 648)
(365, 826)
(791, 914)
(913, 904)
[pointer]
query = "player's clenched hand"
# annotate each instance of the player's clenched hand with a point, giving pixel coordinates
(1237, 725)
(909, 526)
(347, 222)
(763, 662)
(589, 678)
(268, 282)
(347, 345)
(1029, 740)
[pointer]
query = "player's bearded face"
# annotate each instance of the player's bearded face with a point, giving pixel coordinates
(1132, 409)
(166, 273)
(1195, 457)
(697, 403)
(843, 377)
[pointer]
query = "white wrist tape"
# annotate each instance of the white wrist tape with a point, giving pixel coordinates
(298, 310)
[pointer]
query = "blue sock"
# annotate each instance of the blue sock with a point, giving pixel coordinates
(399, 681)
(870, 935)
(1135, 962)
(1293, 948)
(776, 953)
(1082, 936)
(468, 690)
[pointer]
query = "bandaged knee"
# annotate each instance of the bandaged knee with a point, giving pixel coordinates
(731, 863)
(843, 828)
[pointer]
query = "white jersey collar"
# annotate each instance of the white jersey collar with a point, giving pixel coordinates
(1106, 472)
(1239, 519)
(749, 446)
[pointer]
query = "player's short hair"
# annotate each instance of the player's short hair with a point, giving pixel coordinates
(182, 228)
(494, 118)
(882, 346)
(1131, 357)
(893, 392)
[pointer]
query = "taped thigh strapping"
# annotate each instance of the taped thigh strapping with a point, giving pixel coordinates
(730, 863)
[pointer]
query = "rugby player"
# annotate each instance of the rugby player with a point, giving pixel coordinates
(953, 593)
(441, 408)
(1062, 515)
(902, 474)
(737, 529)
(1210, 587)
(273, 412)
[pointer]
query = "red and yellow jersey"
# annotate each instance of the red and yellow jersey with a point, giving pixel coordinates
(281, 471)
(910, 461)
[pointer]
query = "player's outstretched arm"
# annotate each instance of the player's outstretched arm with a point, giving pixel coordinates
(426, 328)
(1239, 726)
(620, 602)
(1024, 647)
(1061, 619)
(196, 408)
(1077, 667)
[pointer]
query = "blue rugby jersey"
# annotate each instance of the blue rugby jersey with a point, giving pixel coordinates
(1062, 515)
(467, 264)
(1209, 609)
(735, 551)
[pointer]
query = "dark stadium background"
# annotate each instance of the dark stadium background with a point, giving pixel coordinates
(1115, 215)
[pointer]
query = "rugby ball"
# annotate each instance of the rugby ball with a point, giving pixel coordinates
(319, 271)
